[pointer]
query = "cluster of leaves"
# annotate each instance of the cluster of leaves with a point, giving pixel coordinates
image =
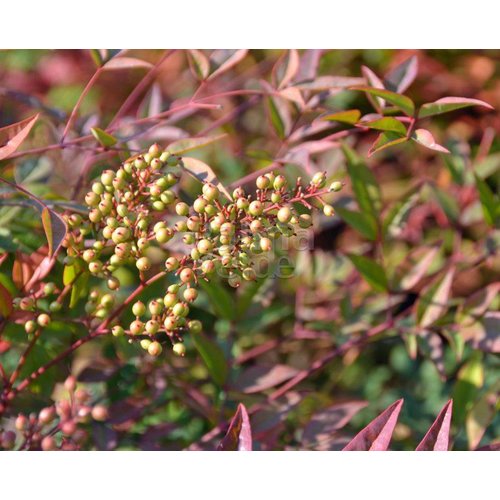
(396, 296)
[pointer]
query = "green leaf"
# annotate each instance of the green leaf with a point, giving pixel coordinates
(371, 271)
(70, 272)
(78, 289)
(470, 379)
(402, 102)
(363, 223)
(448, 203)
(219, 297)
(5, 302)
(350, 116)
(386, 124)
(103, 138)
(434, 303)
(426, 139)
(386, 140)
(183, 146)
(213, 357)
(447, 104)
(489, 203)
(364, 184)
(55, 229)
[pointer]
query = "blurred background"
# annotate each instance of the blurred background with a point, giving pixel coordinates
(433, 222)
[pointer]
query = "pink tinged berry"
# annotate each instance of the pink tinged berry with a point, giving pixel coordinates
(328, 210)
(43, 320)
(155, 349)
(255, 208)
(265, 244)
(179, 349)
(143, 264)
(186, 275)
(136, 327)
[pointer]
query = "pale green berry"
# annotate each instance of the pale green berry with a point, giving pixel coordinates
(145, 343)
(199, 205)
(155, 307)
(136, 327)
(207, 267)
(180, 309)
(193, 223)
(188, 238)
(143, 264)
(152, 326)
(210, 192)
(117, 331)
(319, 179)
(155, 349)
(43, 320)
(92, 199)
(279, 182)
(328, 210)
(182, 208)
(227, 229)
(121, 235)
(113, 283)
(262, 182)
(335, 186)
(284, 214)
(138, 309)
(30, 326)
(170, 299)
(195, 326)
(174, 288)
(163, 235)
(107, 177)
(265, 244)
(97, 188)
(190, 294)
(170, 323)
(171, 264)
(242, 204)
(179, 349)
(204, 246)
(95, 267)
(255, 208)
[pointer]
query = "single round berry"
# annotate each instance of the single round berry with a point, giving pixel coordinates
(172, 264)
(335, 186)
(279, 182)
(328, 210)
(204, 246)
(255, 208)
(284, 214)
(136, 327)
(139, 309)
(194, 326)
(179, 348)
(155, 349)
(186, 275)
(43, 320)
(190, 294)
(182, 209)
(99, 413)
(319, 179)
(143, 264)
(118, 331)
(155, 307)
(265, 244)
(152, 326)
(170, 299)
(262, 182)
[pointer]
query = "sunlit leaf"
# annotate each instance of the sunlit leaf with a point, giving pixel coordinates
(203, 173)
(213, 357)
(372, 272)
(55, 229)
(447, 104)
(377, 435)
(435, 302)
(480, 417)
(117, 63)
(12, 136)
(183, 146)
(386, 124)
(425, 138)
(470, 379)
(329, 82)
(105, 139)
(239, 434)
(402, 102)
(350, 116)
(374, 81)
(402, 76)
(438, 436)
(386, 140)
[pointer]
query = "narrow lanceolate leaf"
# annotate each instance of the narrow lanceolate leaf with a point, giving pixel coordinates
(183, 146)
(375, 82)
(412, 277)
(447, 104)
(434, 303)
(12, 136)
(438, 436)
(55, 230)
(372, 272)
(489, 202)
(386, 140)
(402, 76)
(351, 116)
(5, 302)
(199, 63)
(286, 68)
(426, 139)
(483, 334)
(222, 302)
(386, 124)
(361, 222)
(470, 379)
(480, 417)
(213, 357)
(239, 434)
(53, 224)
(364, 184)
(376, 436)
(103, 138)
(405, 104)
(225, 60)
(203, 173)
(117, 63)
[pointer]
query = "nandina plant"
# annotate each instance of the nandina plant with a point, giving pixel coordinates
(160, 262)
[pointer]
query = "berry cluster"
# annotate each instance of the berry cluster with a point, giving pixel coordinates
(60, 426)
(139, 206)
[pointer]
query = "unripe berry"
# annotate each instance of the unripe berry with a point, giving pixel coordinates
(242, 204)
(140, 163)
(319, 179)
(136, 327)
(335, 186)
(138, 309)
(238, 193)
(89, 255)
(234, 280)
(227, 229)
(195, 326)
(97, 188)
(113, 283)
(70, 383)
(68, 427)
(170, 323)
(92, 199)
(179, 349)
(193, 223)
(284, 214)
(99, 413)
(26, 304)
(122, 210)
(145, 343)
(46, 415)
(204, 246)
(210, 192)
(171, 264)
(143, 264)
(155, 349)
(43, 320)
(117, 331)
(188, 239)
(154, 150)
(21, 422)
(122, 250)
(121, 235)
(249, 274)
(305, 221)
(182, 209)
(186, 275)
(107, 177)
(152, 326)
(180, 309)
(155, 307)
(55, 306)
(328, 210)
(208, 266)
(199, 205)
(279, 182)
(262, 182)
(95, 267)
(190, 294)
(142, 243)
(95, 216)
(174, 288)
(170, 299)
(48, 443)
(255, 208)
(265, 244)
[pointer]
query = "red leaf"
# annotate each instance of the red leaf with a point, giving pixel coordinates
(402, 76)
(239, 434)
(438, 436)
(426, 139)
(447, 104)
(5, 302)
(261, 377)
(376, 436)
(13, 135)
(126, 63)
